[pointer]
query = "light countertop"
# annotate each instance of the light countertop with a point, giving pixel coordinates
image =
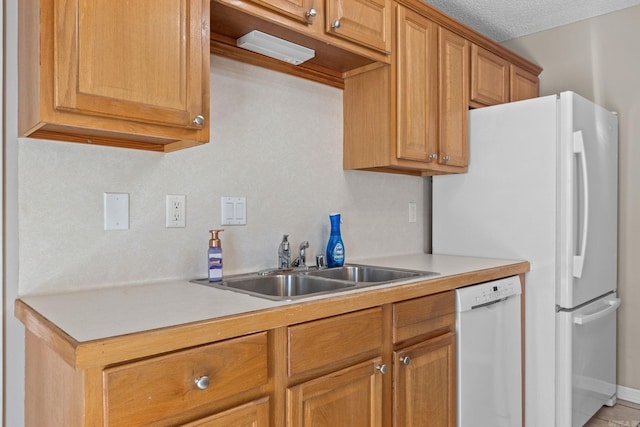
(108, 312)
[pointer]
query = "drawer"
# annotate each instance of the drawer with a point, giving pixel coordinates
(143, 392)
(424, 317)
(334, 342)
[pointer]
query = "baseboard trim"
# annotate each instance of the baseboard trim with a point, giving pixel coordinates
(629, 394)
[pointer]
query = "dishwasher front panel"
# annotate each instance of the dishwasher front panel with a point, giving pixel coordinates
(489, 350)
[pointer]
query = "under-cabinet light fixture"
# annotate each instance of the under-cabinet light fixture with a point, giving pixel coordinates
(274, 47)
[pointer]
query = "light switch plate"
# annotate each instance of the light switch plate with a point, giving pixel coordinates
(116, 211)
(234, 211)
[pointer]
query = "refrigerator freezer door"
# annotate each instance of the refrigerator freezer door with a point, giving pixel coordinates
(588, 178)
(587, 351)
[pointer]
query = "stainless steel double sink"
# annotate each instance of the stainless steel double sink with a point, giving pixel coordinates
(282, 285)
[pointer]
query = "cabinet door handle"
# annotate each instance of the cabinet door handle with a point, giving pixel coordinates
(433, 156)
(202, 382)
(446, 158)
(405, 360)
(382, 368)
(311, 13)
(198, 120)
(336, 24)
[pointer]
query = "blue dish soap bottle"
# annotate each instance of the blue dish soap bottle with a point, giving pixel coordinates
(335, 247)
(215, 257)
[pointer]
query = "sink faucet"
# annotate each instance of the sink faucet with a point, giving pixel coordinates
(301, 261)
(284, 253)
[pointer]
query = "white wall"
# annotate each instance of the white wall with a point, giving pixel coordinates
(276, 140)
(598, 58)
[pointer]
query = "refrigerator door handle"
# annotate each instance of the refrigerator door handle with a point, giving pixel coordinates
(583, 319)
(578, 148)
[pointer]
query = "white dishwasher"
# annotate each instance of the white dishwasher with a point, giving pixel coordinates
(489, 350)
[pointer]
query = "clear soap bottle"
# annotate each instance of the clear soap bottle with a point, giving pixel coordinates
(215, 257)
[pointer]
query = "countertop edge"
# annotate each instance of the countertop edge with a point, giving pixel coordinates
(117, 349)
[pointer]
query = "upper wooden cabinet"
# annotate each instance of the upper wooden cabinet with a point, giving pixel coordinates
(494, 80)
(523, 84)
(489, 77)
(362, 21)
(411, 117)
(128, 74)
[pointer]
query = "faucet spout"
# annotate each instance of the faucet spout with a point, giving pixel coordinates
(301, 260)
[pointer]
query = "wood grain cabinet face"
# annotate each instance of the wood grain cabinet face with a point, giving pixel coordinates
(252, 414)
(367, 22)
(348, 397)
(489, 77)
(303, 11)
(115, 71)
(416, 86)
(165, 387)
(424, 390)
(453, 95)
(524, 85)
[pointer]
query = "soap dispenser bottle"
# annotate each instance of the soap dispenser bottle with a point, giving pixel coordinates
(335, 247)
(215, 257)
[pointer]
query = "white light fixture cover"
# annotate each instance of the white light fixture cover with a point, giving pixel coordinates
(274, 47)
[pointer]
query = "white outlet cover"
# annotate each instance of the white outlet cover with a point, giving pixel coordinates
(413, 212)
(176, 211)
(116, 211)
(233, 211)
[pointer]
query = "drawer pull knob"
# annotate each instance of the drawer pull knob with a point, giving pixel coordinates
(336, 24)
(382, 368)
(405, 360)
(202, 382)
(311, 13)
(198, 120)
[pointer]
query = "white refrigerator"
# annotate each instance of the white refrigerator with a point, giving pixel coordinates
(543, 186)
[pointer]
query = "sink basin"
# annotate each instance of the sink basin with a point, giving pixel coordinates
(367, 274)
(280, 286)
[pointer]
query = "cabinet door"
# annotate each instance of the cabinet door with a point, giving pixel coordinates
(366, 22)
(253, 414)
(137, 60)
(351, 397)
(416, 86)
(489, 77)
(524, 85)
(424, 390)
(299, 10)
(454, 99)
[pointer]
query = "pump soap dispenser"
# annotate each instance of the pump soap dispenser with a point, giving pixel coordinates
(215, 257)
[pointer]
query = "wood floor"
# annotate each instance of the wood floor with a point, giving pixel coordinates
(625, 414)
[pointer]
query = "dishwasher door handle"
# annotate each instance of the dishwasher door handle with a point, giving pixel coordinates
(583, 319)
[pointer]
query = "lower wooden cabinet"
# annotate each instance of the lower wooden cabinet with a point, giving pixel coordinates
(253, 414)
(351, 397)
(424, 383)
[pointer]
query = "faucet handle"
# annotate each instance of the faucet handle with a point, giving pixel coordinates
(304, 245)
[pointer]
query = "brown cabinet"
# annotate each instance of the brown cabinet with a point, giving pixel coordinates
(523, 84)
(425, 378)
(128, 74)
(424, 94)
(424, 361)
(252, 414)
(366, 22)
(167, 388)
(348, 397)
(494, 80)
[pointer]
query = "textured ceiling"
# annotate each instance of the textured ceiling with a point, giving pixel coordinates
(502, 20)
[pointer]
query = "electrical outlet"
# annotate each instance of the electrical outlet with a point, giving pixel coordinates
(176, 210)
(413, 212)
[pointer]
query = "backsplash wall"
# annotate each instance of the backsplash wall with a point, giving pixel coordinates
(275, 139)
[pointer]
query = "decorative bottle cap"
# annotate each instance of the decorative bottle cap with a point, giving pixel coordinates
(214, 242)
